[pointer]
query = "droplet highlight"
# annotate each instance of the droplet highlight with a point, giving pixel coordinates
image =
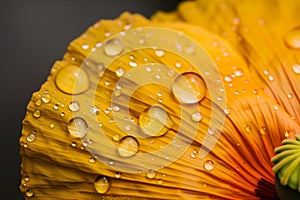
(128, 146)
(77, 127)
(102, 184)
(209, 165)
(292, 38)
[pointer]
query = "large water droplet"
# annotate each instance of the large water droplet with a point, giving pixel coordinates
(74, 106)
(209, 165)
(189, 88)
(128, 146)
(292, 38)
(77, 127)
(155, 121)
(113, 47)
(296, 69)
(67, 77)
(102, 184)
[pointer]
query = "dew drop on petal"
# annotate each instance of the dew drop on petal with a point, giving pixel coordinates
(211, 131)
(120, 71)
(74, 106)
(37, 113)
(178, 64)
(228, 78)
(128, 146)
(209, 165)
(159, 53)
(189, 88)
(113, 47)
(77, 127)
(31, 137)
(248, 128)
(29, 193)
(118, 175)
(102, 184)
(26, 178)
(296, 69)
(196, 116)
(116, 137)
(92, 160)
(72, 80)
(151, 174)
(160, 181)
(38, 102)
(263, 130)
(46, 98)
(133, 64)
(238, 73)
(51, 125)
(56, 106)
(292, 38)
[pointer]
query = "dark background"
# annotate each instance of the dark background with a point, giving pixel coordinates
(34, 34)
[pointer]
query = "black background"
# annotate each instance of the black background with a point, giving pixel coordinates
(34, 34)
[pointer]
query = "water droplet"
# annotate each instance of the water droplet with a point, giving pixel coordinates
(211, 131)
(116, 108)
(92, 160)
(178, 64)
(263, 130)
(227, 111)
(271, 78)
(196, 116)
(292, 38)
(29, 193)
(159, 53)
(72, 80)
(51, 125)
(248, 128)
(102, 184)
(290, 95)
(155, 121)
(74, 106)
(238, 73)
(38, 102)
(190, 50)
(266, 72)
(77, 127)
(133, 64)
(286, 134)
(276, 107)
(37, 113)
(85, 46)
(171, 72)
(26, 178)
(296, 68)
(116, 137)
(189, 88)
(118, 174)
(56, 106)
(31, 137)
(160, 181)
(128, 146)
(74, 144)
(120, 71)
(46, 98)
(117, 92)
(62, 114)
(151, 174)
(113, 47)
(94, 110)
(148, 69)
(228, 78)
(209, 165)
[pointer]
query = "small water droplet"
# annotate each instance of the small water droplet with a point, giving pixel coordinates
(290, 95)
(62, 114)
(196, 117)
(296, 68)
(211, 130)
(248, 128)
(128, 146)
(31, 137)
(190, 50)
(26, 178)
(171, 72)
(228, 78)
(209, 165)
(271, 78)
(94, 110)
(151, 174)
(74, 106)
(227, 111)
(286, 134)
(118, 174)
(77, 127)
(133, 64)
(37, 113)
(159, 53)
(292, 38)
(74, 144)
(189, 88)
(51, 125)
(155, 121)
(46, 98)
(116, 137)
(142, 41)
(255, 91)
(102, 184)
(116, 108)
(120, 71)
(72, 80)
(263, 130)
(56, 106)
(178, 64)
(238, 73)
(85, 46)
(29, 193)
(117, 92)
(266, 72)
(92, 160)
(160, 181)
(113, 47)
(276, 107)
(38, 102)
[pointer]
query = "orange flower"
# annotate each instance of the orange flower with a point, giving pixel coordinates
(240, 119)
